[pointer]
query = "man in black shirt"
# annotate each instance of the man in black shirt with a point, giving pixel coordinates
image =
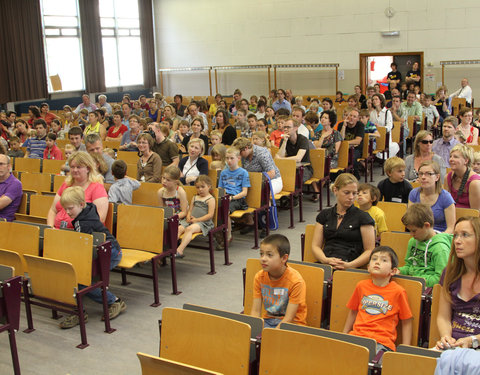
(394, 76)
(353, 130)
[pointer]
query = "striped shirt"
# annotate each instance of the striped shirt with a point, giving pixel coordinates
(35, 147)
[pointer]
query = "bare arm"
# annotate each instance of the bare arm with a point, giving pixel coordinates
(175, 161)
(102, 207)
(355, 142)
(256, 308)
(182, 195)
(352, 315)
(407, 329)
(242, 194)
(209, 215)
(475, 137)
(53, 211)
(4, 201)
(289, 314)
(450, 218)
(444, 322)
(474, 194)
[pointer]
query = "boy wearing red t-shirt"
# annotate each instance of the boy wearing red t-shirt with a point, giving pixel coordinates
(377, 304)
(280, 288)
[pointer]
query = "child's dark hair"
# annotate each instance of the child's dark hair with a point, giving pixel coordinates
(204, 179)
(374, 192)
(391, 253)
(281, 243)
(119, 169)
(52, 136)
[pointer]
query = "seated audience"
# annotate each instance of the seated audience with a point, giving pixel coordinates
(149, 165)
(116, 131)
(329, 138)
(10, 190)
(52, 152)
(466, 127)
(443, 146)
(85, 104)
(122, 189)
(394, 188)
(130, 137)
(36, 145)
(367, 199)
(193, 165)
(465, 91)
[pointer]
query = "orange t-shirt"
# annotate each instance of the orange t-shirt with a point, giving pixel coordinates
(277, 294)
(276, 137)
(379, 309)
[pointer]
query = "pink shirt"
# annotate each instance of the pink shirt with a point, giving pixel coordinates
(93, 192)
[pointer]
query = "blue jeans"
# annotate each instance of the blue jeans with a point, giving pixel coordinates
(96, 294)
(271, 323)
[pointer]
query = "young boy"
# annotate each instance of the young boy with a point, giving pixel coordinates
(86, 220)
(235, 181)
(252, 126)
(280, 288)
(241, 120)
(377, 303)
(215, 139)
(394, 188)
(276, 136)
(430, 112)
(367, 198)
(123, 187)
(15, 150)
(428, 251)
(52, 151)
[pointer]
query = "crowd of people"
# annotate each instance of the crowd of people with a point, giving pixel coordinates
(249, 136)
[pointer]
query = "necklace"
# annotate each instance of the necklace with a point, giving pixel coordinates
(340, 216)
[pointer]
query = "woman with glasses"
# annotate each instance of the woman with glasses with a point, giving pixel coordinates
(458, 320)
(422, 151)
(469, 131)
(462, 182)
(432, 194)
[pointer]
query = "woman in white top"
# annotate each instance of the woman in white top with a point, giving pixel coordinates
(381, 116)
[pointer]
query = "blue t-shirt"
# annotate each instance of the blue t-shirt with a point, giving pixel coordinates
(444, 200)
(234, 181)
(36, 146)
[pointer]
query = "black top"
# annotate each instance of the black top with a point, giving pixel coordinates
(394, 192)
(441, 112)
(180, 111)
(301, 144)
(201, 164)
(394, 76)
(229, 135)
(203, 137)
(88, 222)
(414, 74)
(351, 133)
(344, 242)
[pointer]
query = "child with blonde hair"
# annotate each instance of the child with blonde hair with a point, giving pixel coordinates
(259, 138)
(69, 150)
(200, 214)
(476, 162)
(172, 194)
(215, 139)
(218, 156)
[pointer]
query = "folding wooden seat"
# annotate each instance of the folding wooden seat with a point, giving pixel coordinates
(434, 334)
(146, 194)
(457, 105)
(401, 363)
(152, 365)
(460, 212)
(256, 326)
(114, 145)
(257, 201)
(320, 177)
(10, 290)
(393, 215)
(27, 165)
(13, 260)
(132, 170)
(398, 241)
(53, 280)
(307, 353)
(314, 278)
(344, 283)
(382, 143)
(57, 182)
(61, 143)
(19, 238)
(140, 233)
(343, 159)
(367, 156)
(288, 171)
(36, 181)
(204, 340)
(52, 166)
(220, 223)
(40, 205)
(129, 157)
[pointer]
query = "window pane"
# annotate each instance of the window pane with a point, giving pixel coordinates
(60, 21)
(128, 23)
(130, 56)
(125, 9)
(107, 22)
(64, 59)
(108, 32)
(135, 32)
(111, 62)
(123, 32)
(106, 8)
(52, 32)
(60, 7)
(69, 32)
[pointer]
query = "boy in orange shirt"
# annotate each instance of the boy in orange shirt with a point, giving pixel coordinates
(377, 303)
(276, 136)
(280, 288)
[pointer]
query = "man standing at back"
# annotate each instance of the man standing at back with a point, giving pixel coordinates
(464, 92)
(10, 190)
(94, 145)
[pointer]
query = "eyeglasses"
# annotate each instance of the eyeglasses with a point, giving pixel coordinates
(463, 235)
(426, 174)
(426, 142)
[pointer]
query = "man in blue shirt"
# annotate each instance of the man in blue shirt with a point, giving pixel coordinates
(281, 102)
(35, 146)
(443, 146)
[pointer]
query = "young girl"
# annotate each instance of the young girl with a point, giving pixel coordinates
(215, 139)
(172, 194)
(476, 162)
(218, 154)
(200, 214)
(69, 150)
(259, 138)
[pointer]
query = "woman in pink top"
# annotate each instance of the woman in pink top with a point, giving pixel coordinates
(83, 173)
(461, 158)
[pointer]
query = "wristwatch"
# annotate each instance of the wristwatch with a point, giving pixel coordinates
(475, 343)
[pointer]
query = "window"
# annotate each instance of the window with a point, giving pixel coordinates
(61, 36)
(122, 50)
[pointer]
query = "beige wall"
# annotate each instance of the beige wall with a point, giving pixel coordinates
(227, 32)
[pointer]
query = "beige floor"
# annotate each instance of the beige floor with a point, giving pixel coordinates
(50, 350)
